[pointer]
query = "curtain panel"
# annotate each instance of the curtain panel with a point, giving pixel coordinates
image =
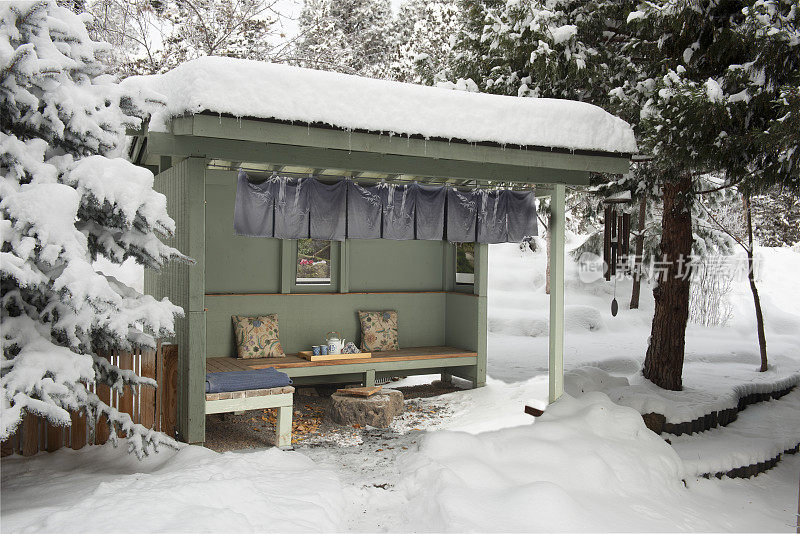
(296, 208)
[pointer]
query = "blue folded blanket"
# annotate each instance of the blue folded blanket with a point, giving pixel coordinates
(242, 380)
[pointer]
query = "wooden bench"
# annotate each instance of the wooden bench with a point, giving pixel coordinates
(407, 361)
(281, 398)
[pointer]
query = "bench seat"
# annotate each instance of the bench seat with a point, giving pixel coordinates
(281, 398)
(406, 361)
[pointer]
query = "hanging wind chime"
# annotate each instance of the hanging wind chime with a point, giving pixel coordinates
(616, 239)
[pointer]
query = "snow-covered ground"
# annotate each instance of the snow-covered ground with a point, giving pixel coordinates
(587, 464)
(191, 490)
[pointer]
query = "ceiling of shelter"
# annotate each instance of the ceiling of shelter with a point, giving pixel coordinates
(266, 170)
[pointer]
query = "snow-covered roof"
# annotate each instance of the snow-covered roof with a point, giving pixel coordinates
(255, 89)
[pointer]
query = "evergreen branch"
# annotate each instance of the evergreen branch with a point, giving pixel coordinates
(720, 188)
(722, 227)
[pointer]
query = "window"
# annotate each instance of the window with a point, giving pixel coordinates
(465, 263)
(313, 262)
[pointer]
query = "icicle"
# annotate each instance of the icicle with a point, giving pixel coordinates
(297, 191)
(282, 192)
(390, 199)
(349, 141)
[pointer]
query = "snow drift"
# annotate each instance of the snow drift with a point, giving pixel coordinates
(567, 471)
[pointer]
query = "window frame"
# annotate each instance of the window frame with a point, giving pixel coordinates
(466, 287)
(291, 249)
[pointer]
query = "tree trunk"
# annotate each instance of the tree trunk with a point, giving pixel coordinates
(547, 273)
(751, 276)
(663, 364)
(637, 265)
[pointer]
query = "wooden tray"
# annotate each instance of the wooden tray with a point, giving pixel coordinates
(360, 392)
(309, 355)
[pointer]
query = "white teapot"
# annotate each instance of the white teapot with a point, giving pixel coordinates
(335, 342)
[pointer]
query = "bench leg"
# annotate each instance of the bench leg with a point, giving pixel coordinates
(369, 377)
(447, 378)
(283, 428)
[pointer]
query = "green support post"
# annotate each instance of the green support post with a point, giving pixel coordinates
(481, 290)
(369, 377)
(449, 266)
(288, 260)
(192, 422)
(344, 267)
(556, 359)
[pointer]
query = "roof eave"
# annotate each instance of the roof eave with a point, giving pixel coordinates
(216, 136)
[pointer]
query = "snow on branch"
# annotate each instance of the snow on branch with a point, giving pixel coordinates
(67, 197)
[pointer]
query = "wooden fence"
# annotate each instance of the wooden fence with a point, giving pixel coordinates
(153, 408)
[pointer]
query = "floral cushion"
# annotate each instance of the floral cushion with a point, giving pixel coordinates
(378, 330)
(257, 337)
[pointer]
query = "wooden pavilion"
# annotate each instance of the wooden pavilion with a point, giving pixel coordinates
(196, 150)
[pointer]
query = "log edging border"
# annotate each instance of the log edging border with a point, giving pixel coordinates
(747, 471)
(658, 422)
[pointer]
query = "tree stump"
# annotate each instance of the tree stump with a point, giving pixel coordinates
(377, 410)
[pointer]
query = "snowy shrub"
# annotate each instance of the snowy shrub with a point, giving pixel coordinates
(709, 300)
(68, 198)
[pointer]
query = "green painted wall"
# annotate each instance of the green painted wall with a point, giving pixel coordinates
(236, 264)
(461, 320)
(304, 319)
(385, 265)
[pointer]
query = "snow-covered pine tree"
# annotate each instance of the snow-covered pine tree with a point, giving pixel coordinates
(422, 40)
(350, 36)
(68, 198)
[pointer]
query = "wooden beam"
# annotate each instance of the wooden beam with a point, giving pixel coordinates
(262, 402)
(169, 395)
(304, 136)
(77, 430)
(326, 158)
(556, 350)
(30, 434)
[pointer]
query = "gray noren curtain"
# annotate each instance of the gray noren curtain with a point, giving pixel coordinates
(296, 208)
